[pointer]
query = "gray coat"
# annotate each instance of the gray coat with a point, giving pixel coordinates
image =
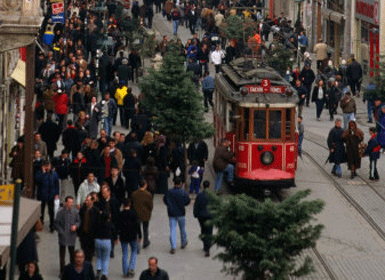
(64, 220)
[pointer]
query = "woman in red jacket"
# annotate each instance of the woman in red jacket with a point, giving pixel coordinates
(61, 107)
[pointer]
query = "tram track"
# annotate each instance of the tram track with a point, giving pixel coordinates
(380, 230)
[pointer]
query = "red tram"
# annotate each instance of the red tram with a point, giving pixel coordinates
(255, 109)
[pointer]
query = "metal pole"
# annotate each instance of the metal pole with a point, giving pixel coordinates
(15, 221)
(28, 124)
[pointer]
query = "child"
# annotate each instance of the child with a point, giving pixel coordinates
(373, 150)
(196, 173)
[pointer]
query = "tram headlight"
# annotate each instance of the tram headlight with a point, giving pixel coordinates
(267, 158)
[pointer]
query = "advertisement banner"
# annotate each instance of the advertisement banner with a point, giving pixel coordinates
(59, 18)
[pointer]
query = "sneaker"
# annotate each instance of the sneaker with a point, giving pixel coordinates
(172, 251)
(184, 245)
(131, 273)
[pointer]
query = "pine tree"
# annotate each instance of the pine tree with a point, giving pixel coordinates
(280, 58)
(175, 101)
(264, 240)
(378, 80)
(238, 28)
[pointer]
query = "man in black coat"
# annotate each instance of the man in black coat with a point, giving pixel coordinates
(50, 134)
(79, 270)
(153, 272)
(354, 74)
(307, 77)
(336, 147)
(70, 139)
(62, 166)
(198, 151)
(203, 215)
(302, 93)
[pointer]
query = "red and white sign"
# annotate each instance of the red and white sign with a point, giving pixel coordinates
(271, 89)
(57, 8)
(266, 85)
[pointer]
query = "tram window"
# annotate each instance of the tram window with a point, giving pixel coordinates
(260, 124)
(275, 124)
(288, 123)
(246, 117)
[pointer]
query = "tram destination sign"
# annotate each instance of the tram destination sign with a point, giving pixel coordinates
(255, 89)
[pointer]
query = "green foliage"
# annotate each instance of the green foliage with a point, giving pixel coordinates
(379, 81)
(148, 48)
(264, 240)
(238, 28)
(174, 100)
(280, 58)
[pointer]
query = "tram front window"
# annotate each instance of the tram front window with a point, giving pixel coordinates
(260, 124)
(275, 124)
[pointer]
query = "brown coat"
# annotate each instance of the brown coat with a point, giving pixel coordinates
(222, 158)
(352, 138)
(321, 51)
(49, 105)
(348, 107)
(143, 204)
(17, 156)
(119, 158)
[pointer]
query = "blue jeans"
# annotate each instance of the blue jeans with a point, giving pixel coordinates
(107, 123)
(182, 227)
(300, 140)
(370, 106)
(103, 250)
(230, 175)
(348, 117)
(134, 252)
(337, 169)
(175, 26)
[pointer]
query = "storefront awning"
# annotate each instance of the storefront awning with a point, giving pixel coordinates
(29, 214)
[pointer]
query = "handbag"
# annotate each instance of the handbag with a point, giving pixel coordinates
(361, 149)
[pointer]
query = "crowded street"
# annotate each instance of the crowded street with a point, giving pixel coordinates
(114, 182)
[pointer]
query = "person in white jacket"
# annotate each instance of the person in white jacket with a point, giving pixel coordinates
(216, 58)
(88, 186)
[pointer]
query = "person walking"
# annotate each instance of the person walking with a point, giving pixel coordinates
(216, 58)
(307, 78)
(89, 185)
(373, 151)
(348, 106)
(120, 93)
(47, 182)
(176, 199)
(175, 17)
(153, 272)
(62, 167)
(319, 96)
(333, 98)
(129, 232)
(336, 148)
(203, 215)
(222, 165)
(109, 111)
(81, 269)
(301, 91)
(31, 272)
(88, 215)
(354, 74)
(353, 136)
(370, 96)
(104, 232)
(208, 86)
(142, 202)
(301, 134)
(321, 53)
(66, 224)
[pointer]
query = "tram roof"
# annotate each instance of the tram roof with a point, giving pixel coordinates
(243, 72)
